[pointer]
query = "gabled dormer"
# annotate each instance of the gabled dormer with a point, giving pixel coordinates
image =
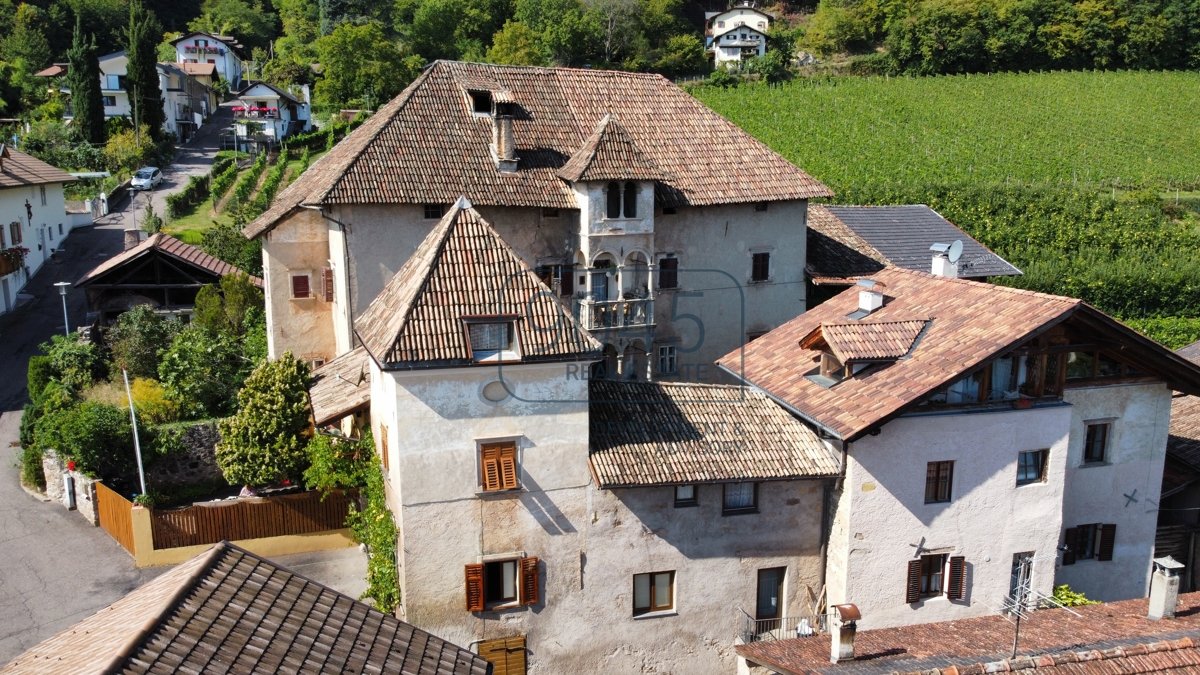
(847, 349)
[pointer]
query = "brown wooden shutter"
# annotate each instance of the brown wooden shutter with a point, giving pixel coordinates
(490, 467)
(327, 283)
(507, 655)
(300, 286)
(383, 446)
(508, 467)
(957, 588)
(913, 592)
(474, 574)
(1071, 543)
(529, 581)
(1108, 534)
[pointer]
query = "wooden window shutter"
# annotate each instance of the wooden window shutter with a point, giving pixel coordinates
(1108, 534)
(913, 592)
(957, 588)
(507, 655)
(327, 283)
(490, 467)
(1071, 542)
(529, 581)
(383, 446)
(508, 467)
(300, 287)
(474, 574)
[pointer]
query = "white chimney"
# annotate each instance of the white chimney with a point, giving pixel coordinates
(1164, 588)
(945, 259)
(504, 145)
(843, 626)
(870, 295)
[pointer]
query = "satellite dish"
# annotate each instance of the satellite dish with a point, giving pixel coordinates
(955, 251)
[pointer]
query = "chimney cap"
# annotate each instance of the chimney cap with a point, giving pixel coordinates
(1169, 563)
(848, 612)
(871, 285)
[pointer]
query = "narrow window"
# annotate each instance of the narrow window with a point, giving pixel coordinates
(383, 449)
(740, 498)
(938, 479)
(760, 266)
(1031, 466)
(300, 286)
(653, 592)
(769, 596)
(631, 197)
(1095, 442)
(668, 359)
(434, 211)
(668, 272)
(613, 200)
(498, 466)
(42, 189)
(14, 229)
(685, 495)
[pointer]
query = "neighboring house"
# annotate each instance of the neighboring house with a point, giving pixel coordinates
(737, 33)
(602, 181)
(222, 51)
(161, 271)
(230, 610)
(265, 115)
(1097, 639)
(485, 421)
(846, 243)
(187, 102)
(1179, 505)
(33, 219)
(980, 425)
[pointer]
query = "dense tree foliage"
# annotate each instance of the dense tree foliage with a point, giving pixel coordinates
(265, 440)
(136, 339)
(141, 81)
(84, 81)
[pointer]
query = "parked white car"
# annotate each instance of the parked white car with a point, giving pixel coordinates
(146, 178)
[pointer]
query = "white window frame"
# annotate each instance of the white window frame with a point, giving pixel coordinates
(505, 354)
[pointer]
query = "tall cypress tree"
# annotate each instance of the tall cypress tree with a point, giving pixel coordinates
(84, 78)
(141, 79)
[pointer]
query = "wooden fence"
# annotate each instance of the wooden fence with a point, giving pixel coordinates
(114, 513)
(239, 519)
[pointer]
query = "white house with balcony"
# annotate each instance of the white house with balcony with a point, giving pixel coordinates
(736, 34)
(265, 115)
(223, 51)
(33, 219)
(187, 101)
(995, 441)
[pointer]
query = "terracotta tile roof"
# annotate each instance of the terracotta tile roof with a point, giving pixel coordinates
(857, 240)
(1190, 352)
(425, 146)
(464, 269)
(166, 244)
(672, 433)
(340, 387)
(229, 610)
(198, 68)
(1110, 638)
(52, 71)
(609, 154)
(18, 169)
(970, 322)
(1183, 443)
(869, 340)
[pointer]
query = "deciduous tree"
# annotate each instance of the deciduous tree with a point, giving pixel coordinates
(265, 440)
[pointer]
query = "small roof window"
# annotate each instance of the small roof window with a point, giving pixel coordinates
(493, 339)
(481, 102)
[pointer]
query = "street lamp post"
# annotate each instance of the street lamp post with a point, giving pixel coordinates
(62, 290)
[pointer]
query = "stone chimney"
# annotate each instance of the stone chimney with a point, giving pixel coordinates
(843, 626)
(870, 295)
(1164, 588)
(504, 145)
(132, 238)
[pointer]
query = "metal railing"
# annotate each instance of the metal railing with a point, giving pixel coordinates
(759, 630)
(600, 314)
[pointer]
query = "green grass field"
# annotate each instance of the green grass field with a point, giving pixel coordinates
(1139, 129)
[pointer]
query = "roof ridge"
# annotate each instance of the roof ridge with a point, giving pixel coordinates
(1067, 300)
(681, 385)
(1059, 658)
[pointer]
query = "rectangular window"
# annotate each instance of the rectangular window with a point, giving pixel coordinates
(668, 272)
(383, 450)
(498, 466)
(497, 584)
(493, 341)
(931, 576)
(560, 278)
(668, 359)
(1094, 541)
(42, 190)
(14, 231)
(108, 101)
(760, 266)
(301, 288)
(740, 498)
(434, 211)
(1095, 442)
(769, 598)
(549, 213)
(938, 481)
(1031, 466)
(653, 592)
(685, 495)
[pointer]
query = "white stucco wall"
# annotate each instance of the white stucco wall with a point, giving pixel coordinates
(590, 542)
(41, 234)
(228, 65)
(882, 516)
(302, 326)
(1140, 415)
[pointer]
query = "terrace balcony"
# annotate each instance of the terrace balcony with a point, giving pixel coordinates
(256, 112)
(610, 314)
